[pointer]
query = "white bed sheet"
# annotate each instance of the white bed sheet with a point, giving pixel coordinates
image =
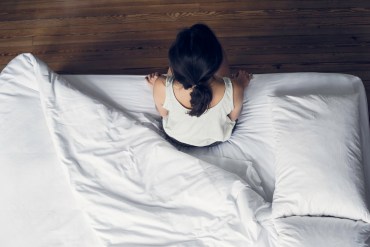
(32, 160)
(252, 141)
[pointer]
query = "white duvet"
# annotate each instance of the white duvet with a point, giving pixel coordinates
(85, 165)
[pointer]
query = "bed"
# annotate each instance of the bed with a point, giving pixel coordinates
(84, 162)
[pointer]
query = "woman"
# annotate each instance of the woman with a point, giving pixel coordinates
(197, 100)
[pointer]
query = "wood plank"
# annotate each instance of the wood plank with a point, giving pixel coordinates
(261, 4)
(121, 16)
(180, 11)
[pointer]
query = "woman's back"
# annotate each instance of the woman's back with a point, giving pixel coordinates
(198, 104)
(212, 126)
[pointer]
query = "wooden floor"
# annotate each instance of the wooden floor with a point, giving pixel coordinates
(132, 36)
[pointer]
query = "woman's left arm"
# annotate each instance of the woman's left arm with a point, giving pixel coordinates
(158, 84)
(159, 95)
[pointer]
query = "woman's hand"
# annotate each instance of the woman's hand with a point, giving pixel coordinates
(242, 78)
(151, 78)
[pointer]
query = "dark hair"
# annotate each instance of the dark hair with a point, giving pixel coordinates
(194, 57)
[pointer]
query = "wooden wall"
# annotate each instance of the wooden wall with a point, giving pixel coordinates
(132, 36)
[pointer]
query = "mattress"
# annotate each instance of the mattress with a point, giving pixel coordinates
(53, 198)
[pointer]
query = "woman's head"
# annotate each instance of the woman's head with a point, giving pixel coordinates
(195, 57)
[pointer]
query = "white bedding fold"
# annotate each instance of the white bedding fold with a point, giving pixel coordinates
(37, 207)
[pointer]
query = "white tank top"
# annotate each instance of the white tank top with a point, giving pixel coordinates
(212, 126)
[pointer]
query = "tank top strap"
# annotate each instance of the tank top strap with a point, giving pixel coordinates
(169, 80)
(169, 92)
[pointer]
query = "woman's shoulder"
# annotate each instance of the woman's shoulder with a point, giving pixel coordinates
(221, 84)
(217, 83)
(218, 90)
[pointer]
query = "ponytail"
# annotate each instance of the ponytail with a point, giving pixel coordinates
(201, 97)
(194, 57)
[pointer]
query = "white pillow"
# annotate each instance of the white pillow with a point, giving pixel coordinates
(318, 153)
(299, 231)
